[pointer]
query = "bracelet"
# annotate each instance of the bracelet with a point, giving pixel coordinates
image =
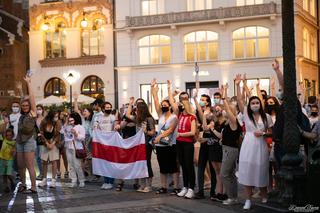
(223, 99)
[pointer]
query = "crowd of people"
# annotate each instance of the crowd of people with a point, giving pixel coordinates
(240, 140)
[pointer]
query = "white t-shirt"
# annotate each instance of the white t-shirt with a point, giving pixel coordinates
(69, 137)
(105, 123)
(14, 121)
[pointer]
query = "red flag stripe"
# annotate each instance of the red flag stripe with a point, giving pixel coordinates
(119, 155)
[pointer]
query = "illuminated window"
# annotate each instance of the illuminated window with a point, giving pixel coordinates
(145, 93)
(199, 5)
(92, 86)
(248, 2)
(55, 41)
(154, 49)
(55, 86)
(251, 42)
(92, 38)
(310, 7)
(151, 7)
(309, 45)
(201, 46)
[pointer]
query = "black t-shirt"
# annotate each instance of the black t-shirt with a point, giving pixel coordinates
(231, 137)
(211, 136)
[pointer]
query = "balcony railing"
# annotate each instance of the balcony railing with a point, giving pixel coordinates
(202, 15)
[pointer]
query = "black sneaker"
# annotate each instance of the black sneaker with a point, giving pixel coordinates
(175, 191)
(199, 195)
(214, 197)
(221, 197)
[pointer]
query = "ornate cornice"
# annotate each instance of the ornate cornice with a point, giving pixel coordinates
(202, 15)
(63, 62)
(70, 8)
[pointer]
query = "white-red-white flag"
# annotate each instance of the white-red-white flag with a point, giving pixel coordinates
(115, 157)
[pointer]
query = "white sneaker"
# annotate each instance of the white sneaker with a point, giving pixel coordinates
(43, 183)
(183, 192)
(264, 200)
(104, 186)
(73, 185)
(109, 186)
(81, 185)
(247, 205)
(230, 201)
(53, 183)
(190, 194)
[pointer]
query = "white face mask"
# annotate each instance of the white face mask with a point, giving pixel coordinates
(15, 109)
(55, 119)
(255, 108)
(39, 112)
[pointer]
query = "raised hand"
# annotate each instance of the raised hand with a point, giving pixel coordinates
(169, 84)
(238, 79)
(195, 94)
(275, 65)
(258, 82)
(27, 79)
(153, 82)
(19, 85)
(131, 100)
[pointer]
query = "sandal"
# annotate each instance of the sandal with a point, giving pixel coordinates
(161, 191)
(119, 187)
(30, 191)
(175, 191)
(22, 188)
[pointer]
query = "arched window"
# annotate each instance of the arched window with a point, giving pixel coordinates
(92, 86)
(154, 49)
(55, 41)
(55, 86)
(251, 42)
(92, 38)
(199, 5)
(309, 45)
(310, 7)
(248, 2)
(201, 46)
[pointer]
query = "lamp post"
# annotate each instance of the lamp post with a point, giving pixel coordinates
(291, 175)
(71, 77)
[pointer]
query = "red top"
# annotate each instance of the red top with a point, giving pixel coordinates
(185, 126)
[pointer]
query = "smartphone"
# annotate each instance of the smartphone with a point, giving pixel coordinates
(29, 73)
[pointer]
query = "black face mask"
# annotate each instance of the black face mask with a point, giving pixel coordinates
(108, 111)
(314, 114)
(165, 109)
(271, 107)
(181, 108)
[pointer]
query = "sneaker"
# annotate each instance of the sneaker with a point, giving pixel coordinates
(58, 175)
(53, 183)
(43, 183)
(247, 205)
(264, 200)
(39, 177)
(220, 197)
(256, 195)
(147, 189)
(190, 194)
(73, 185)
(183, 192)
(104, 186)
(66, 175)
(81, 185)
(199, 195)
(230, 201)
(109, 186)
(175, 191)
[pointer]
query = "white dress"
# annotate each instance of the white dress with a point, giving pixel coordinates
(254, 155)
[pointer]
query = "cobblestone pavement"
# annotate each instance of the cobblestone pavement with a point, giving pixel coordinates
(93, 199)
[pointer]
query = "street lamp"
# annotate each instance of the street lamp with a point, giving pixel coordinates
(84, 22)
(71, 77)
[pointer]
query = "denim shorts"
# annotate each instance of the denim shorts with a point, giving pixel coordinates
(28, 146)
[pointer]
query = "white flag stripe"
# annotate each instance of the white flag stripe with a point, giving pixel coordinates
(115, 139)
(134, 170)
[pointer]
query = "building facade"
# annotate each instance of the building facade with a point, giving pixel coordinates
(163, 39)
(72, 37)
(14, 60)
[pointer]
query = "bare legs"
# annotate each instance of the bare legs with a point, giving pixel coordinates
(26, 161)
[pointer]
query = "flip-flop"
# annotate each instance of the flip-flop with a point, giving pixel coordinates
(30, 191)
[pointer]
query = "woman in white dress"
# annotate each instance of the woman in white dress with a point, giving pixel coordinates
(254, 155)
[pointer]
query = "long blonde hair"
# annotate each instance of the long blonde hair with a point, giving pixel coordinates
(187, 107)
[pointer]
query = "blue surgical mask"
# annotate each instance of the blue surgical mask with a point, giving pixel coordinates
(202, 103)
(216, 101)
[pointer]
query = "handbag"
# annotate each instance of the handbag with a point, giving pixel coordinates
(80, 153)
(167, 141)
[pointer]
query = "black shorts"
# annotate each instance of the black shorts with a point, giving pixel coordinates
(215, 153)
(167, 159)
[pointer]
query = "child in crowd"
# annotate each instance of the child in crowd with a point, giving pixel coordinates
(6, 159)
